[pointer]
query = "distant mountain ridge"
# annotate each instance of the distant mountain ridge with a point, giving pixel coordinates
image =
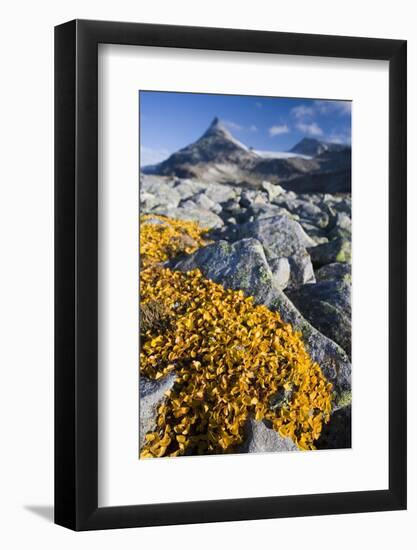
(313, 147)
(217, 156)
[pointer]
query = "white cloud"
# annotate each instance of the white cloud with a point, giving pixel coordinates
(233, 126)
(278, 130)
(149, 155)
(341, 138)
(326, 107)
(312, 129)
(335, 139)
(302, 111)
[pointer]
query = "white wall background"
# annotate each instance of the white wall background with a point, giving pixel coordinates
(26, 288)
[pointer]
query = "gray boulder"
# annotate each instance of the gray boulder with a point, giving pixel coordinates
(337, 434)
(283, 198)
(301, 269)
(243, 266)
(219, 193)
(327, 306)
(318, 235)
(261, 211)
(192, 212)
(281, 271)
(272, 190)
(339, 204)
(148, 202)
(261, 439)
(280, 234)
(339, 233)
(337, 250)
(281, 237)
(157, 192)
(231, 206)
(166, 198)
(343, 221)
(306, 210)
(151, 395)
(154, 221)
(336, 271)
(249, 197)
(186, 188)
(203, 201)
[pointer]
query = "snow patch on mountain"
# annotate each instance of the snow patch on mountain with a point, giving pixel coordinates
(279, 154)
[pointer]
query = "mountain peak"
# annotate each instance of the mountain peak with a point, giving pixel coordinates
(216, 127)
(218, 132)
(309, 146)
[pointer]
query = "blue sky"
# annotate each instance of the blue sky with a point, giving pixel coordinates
(171, 120)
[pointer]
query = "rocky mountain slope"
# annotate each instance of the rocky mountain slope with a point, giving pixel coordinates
(217, 157)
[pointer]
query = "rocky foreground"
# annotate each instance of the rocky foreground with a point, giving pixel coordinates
(290, 252)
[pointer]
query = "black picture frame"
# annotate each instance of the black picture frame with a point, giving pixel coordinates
(76, 272)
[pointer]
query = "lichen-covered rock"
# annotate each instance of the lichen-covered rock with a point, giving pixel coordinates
(337, 271)
(203, 201)
(337, 250)
(186, 188)
(219, 193)
(260, 211)
(190, 211)
(261, 439)
(281, 237)
(301, 269)
(155, 193)
(343, 220)
(298, 265)
(308, 211)
(339, 233)
(273, 190)
(243, 266)
(284, 197)
(318, 235)
(151, 395)
(327, 306)
(280, 234)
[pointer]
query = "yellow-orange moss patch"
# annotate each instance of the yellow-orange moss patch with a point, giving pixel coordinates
(162, 238)
(232, 359)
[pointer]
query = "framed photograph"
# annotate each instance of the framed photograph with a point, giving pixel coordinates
(230, 244)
